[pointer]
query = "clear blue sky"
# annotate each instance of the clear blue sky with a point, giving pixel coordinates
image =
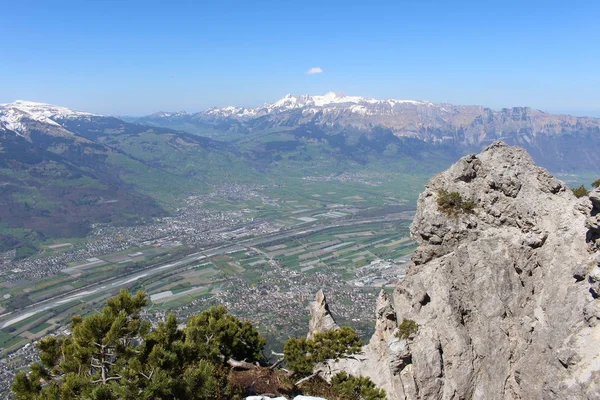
(137, 57)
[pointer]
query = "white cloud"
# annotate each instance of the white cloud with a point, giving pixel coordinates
(314, 70)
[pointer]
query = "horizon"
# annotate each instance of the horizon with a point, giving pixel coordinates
(281, 97)
(137, 58)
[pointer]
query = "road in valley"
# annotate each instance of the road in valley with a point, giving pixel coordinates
(113, 285)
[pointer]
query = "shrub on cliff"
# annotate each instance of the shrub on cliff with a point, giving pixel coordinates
(343, 387)
(349, 387)
(580, 191)
(407, 328)
(452, 203)
(302, 354)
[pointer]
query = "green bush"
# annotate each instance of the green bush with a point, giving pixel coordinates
(596, 183)
(452, 203)
(343, 387)
(217, 335)
(580, 191)
(302, 354)
(407, 328)
(348, 387)
(117, 355)
(298, 356)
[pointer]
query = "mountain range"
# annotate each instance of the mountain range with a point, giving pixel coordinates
(559, 142)
(63, 170)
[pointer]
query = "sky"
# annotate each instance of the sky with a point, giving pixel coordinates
(138, 57)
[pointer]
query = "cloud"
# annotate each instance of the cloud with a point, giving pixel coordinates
(314, 70)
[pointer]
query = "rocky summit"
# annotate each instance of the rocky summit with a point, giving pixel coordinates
(502, 292)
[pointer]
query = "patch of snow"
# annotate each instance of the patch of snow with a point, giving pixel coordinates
(326, 103)
(42, 110)
(13, 116)
(230, 111)
(165, 114)
(358, 109)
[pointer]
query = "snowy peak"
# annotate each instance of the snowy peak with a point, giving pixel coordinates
(164, 114)
(42, 110)
(230, 111)
(327, 103)
(332, 99)
(19, 115)
(339, 98)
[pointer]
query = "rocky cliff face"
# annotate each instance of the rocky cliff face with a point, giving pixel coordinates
(505, 294)
(321, 319)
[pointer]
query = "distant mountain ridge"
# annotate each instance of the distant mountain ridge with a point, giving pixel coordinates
(313, 104)
(559, 142)
(412, 118)
(22, 116)
(62, 170)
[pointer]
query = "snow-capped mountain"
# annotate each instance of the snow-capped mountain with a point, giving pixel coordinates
(329, 103)
(23, 116)
(350, 119)
(163, 114)
(423, 120)
(347, 121)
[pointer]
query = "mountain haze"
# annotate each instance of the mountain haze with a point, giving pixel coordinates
(558, 142)
(63, 170)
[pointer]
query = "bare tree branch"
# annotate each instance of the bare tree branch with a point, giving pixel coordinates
(276, 364)
(104, 380)
(301, 381)
(241, 364)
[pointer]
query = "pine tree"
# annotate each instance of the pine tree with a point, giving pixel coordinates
(116, 355)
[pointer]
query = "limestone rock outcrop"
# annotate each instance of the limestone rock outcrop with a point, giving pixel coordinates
(504, 291)
(593, 222)
(321, 319)
(382, 359)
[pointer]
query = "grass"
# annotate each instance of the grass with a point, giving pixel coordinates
(13, 342)
(39, 328)
(5, 337)
(182, 287)
(363, 238)
(27, 321)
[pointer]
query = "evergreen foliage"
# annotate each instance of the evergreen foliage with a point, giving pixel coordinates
(302, 354)
(348, 387)
(407, 328)
(217, 335)
(596, 183)
(452, 203)
(116, 355)
(580, 191)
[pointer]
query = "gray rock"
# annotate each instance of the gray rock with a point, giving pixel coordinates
(594, 196)
(321, 319)
(505, 299)
(382, 360)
